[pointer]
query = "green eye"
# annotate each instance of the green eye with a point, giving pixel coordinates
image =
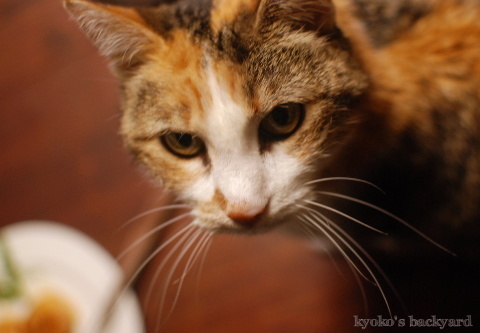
(183, 144)
(282, 121)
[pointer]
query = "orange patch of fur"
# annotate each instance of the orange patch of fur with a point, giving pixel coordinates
(424, 61)
(233, 80)
(127, 13)
(434, 53)
(223, 14)
(177, 65)
(220, 199)
(180, 61)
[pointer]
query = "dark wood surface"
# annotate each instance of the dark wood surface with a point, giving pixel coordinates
(62, 160)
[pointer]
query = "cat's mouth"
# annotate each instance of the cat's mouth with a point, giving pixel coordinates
(258, 225)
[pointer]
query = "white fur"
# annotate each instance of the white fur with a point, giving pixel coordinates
(249, 179)
(236, 164)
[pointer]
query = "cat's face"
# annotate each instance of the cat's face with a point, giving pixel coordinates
(234, 105)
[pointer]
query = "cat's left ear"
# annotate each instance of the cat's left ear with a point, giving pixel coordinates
(306, 15)
(119, 32)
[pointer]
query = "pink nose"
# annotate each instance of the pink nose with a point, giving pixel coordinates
(246, 217)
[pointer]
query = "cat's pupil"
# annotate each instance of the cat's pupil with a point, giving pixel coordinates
(281, 116)
(185, 140)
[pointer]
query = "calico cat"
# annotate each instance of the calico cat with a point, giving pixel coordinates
(242, 107)
(268, 114)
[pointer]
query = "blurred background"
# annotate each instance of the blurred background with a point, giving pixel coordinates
(61, 159)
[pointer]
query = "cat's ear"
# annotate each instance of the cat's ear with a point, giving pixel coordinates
(306, 15)
(119, 32)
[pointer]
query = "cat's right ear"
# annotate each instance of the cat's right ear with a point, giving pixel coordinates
(120, 33)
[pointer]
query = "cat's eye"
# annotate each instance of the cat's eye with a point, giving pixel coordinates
(183, 144)
(282, 121)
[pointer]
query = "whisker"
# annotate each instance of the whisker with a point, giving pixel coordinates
(170, 275)
(202, 261)
(163, 263)
(362, 261)
(191, 261)
(374, 263)
(151, 211)
(156, 252)
(387, 213)
(113, 117)
(361, 287)
(351, 218)
(125, 285)
(195, 254)
(369, 257)
(308, 231)
(150, 233)
(337, 245)
(358, 180)
(330, 224)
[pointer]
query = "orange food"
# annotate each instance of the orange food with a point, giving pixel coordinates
(50, 314)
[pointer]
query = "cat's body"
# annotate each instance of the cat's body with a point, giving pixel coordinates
(424, 71)
(422, 119)
(241, 106)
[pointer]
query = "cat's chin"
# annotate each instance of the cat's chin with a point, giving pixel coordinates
(230, 227)
(239, 229)
(255, 230)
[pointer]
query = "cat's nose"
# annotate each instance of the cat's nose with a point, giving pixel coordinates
(246, 216)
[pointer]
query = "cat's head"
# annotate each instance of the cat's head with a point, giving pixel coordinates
(233, 104)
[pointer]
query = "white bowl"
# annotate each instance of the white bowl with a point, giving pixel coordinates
(55, 255)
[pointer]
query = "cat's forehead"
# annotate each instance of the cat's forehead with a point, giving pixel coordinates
(256, 70)
(178, 88)
(203, 18)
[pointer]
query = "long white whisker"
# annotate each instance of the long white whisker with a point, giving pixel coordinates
(367, 267)
(368, 256)
(202, 261)
(383, 211)
(362, 288)
(351, 218)
(157, 251)
(308, 219)
(370, 259)
(150, 233)
(151, 211)
(170, 275)
(352, 241)
(358, 180)
(163, 263)
(191, 261)
(196, 253)
(308, 231)
(345, 236)
(126, 285)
